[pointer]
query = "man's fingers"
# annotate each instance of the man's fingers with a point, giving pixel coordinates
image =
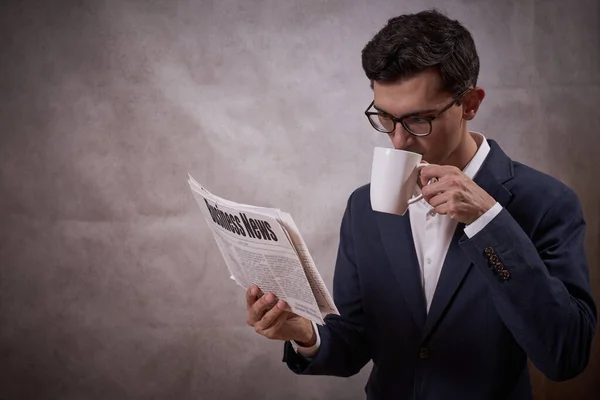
(260, 307)
(429, 173)
(434, 189)
(439, 199)
(274, 331)
(436, 171)
(271, 317)
(252, 294)
(443, 208)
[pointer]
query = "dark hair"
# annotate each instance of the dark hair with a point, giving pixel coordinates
(411, 43)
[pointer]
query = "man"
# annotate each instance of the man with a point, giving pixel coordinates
(449, 300)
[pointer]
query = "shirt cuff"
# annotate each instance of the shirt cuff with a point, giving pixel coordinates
(476, 226)
(311, 351)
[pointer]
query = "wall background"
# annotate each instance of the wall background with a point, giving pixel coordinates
(111, 286)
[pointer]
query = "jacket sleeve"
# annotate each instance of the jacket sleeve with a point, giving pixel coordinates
(344, 348)
(541, 284)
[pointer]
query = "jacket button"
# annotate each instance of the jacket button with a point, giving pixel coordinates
(488, 251)
(505, 275)
(494, 259)
(423, 353)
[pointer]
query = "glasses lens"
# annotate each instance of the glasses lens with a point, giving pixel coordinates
(418, 126)
(382, 123)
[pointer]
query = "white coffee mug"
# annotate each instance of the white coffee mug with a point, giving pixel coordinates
(394, 175)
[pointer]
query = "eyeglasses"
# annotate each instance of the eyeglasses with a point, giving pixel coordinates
(414, 124)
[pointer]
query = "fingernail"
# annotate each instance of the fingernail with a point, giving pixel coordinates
(269, 297)
(281, 304)
(253, 291)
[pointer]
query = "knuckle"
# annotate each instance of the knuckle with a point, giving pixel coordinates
(260, 301)
(268, 334)
(259, 305)
(266, 320)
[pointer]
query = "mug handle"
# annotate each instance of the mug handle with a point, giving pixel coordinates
(419, 197)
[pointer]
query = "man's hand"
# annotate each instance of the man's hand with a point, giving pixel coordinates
(454, 193)
(266, 314)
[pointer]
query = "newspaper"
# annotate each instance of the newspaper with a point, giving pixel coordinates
(263, 246)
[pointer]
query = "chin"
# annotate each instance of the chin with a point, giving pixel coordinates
(424, 155)
(431, 159)
(413, 150)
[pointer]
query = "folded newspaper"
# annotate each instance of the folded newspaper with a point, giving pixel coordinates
(263, 246)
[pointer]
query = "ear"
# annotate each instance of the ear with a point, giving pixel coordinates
(471, 102)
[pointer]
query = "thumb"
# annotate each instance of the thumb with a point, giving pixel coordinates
(421, 179)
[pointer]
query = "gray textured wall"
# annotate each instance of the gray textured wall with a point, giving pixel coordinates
(110, 284)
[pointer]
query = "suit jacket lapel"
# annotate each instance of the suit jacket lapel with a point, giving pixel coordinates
(495, 170)
(396, 236)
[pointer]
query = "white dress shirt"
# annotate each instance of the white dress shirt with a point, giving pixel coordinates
(432, 234)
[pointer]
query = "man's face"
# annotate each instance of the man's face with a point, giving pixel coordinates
(423, 93)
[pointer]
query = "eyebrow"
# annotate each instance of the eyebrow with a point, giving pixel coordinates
(418, 112)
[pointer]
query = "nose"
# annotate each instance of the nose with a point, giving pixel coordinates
(401, 139)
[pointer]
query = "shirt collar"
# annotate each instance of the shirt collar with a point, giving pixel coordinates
(480, 155)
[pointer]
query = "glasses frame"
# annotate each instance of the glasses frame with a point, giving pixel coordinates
(400, 120)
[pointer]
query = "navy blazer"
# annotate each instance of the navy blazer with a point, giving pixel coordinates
(517, 289)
